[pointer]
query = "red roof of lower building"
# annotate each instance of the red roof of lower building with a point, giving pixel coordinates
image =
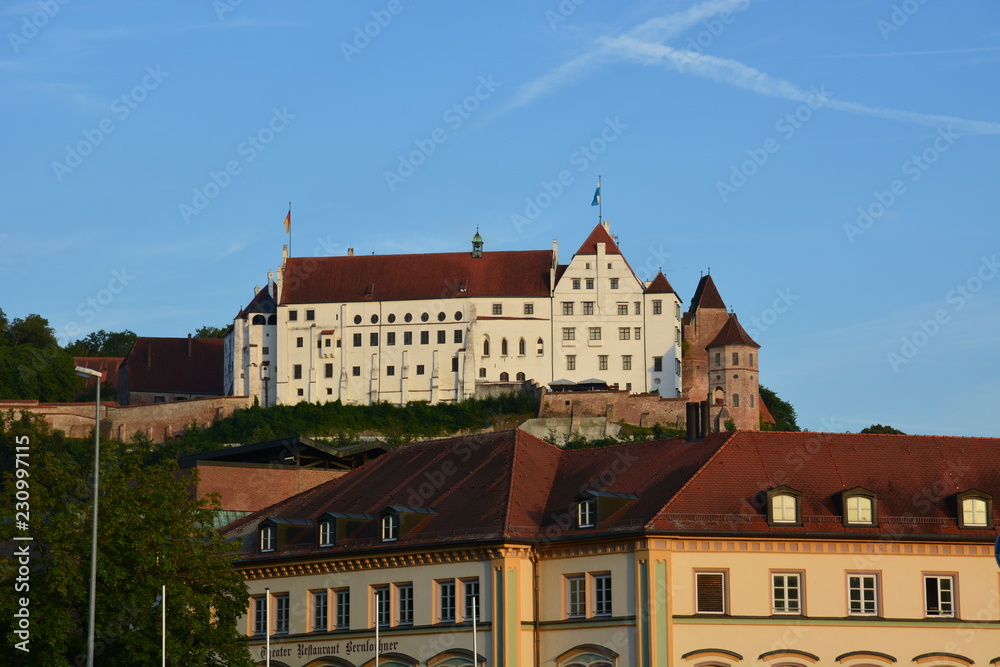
(107, 365)
(177, 365)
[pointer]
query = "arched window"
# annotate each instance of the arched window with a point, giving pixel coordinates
(390, 528)
(503, 347)
(520, 377)
(521, 347)
(486, 346)
(784, 506)
(541, 347)
(258, 319)
(719, 396)
(272, 319)
(504, 377)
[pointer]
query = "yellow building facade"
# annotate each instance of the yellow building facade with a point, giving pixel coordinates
(650, 554)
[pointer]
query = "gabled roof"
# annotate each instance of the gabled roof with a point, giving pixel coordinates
(706, 295)
(179, 365)
(599, 235)
(296, 451)
(732, 333)
(410, 277)
(660, 285)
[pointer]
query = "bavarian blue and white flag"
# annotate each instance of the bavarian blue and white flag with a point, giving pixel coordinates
(597, 195)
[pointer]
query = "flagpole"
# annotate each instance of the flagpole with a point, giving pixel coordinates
(600, 201)
(289, 229)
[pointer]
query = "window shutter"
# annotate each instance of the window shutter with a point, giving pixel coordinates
(711, 593)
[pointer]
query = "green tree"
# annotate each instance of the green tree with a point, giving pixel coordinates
(878, 428)
(211, 332)
(782, 411)
(103, 344)
(151, 533)
(32, 365)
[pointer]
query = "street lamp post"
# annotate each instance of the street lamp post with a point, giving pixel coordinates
(85, 372)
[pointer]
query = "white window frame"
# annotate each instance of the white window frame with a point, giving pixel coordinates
(576, 596)
(260, 614)
(282, 613)
(943, 608)
(382, 604)
(976, 508)
(780, 508)
(588, 307)
(320, 610)
(586, 513)
(857, 604)
(268, 538)
(404, 604)
(471, 596)
(856, 510)
(786, 593)
(602, 594)
(390, 528)
(447, 601)
(326, 533)
(342, 615)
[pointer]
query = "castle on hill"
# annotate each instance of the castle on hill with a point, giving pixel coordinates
(444, 327)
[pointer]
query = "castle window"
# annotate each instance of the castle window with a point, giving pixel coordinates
(503, 347)
(420, 369)
(299, 342)
(595, 333)
(624, 333)
(614, 283)
(390, 370)
(657, 307)
(529, 309)
(408, 317)
(441, 316)
(265, 350)
(374, 319)
(638, 333)
(588, 307)
(576, 283)
(520, 377)
(751, 360)
(736, 400)
(571, 362)
(784, 506)
(657, 363)
(357, 340)
(541, 347)
(258, 319)
(975, 509)
(590, 281)
(623, 309)
(407, 338)
(567, 307)
(328, 370)
(486, 347)
(482, 373)
(391, 318)
(356, 371)
(293, 315)
(357, 319)
(521, 347)
(602, 362)
(736, 358)
(373, 339)
(454, 364)
(504, 377)
(442, 337)
(638, 308)
(568, 333)
(390, 338)
(425, 337)
(458, 335)
(718, 358)
(626, 362)
(458, 316)
(498, 309)
(297, 371)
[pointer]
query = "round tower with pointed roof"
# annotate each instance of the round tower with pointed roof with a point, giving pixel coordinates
(733, 381)
(477, 245)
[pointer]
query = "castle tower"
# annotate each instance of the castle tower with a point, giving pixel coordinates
(733, 380)
(701, 325)
(477, 245)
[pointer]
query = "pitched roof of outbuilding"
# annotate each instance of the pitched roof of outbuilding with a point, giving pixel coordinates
(180, 365)
(512, 273)
(660, 285)
(732, 333)
(511, 486)
(706, 295)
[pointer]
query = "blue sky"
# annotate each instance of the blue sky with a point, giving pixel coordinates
(835, 164)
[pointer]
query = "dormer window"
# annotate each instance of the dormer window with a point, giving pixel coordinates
(784, 507)
(975, 509)
(586, 513)
(326, 533)
(859, 507)
(390, 528)
(268, 538)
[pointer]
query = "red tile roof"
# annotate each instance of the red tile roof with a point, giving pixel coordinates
(732, 333)
(408, 277)
(660, 285)
(513, 486)
(706, 295)
(599, 235)
(164, 365)
(107, 365)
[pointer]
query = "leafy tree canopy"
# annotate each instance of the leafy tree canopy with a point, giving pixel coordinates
(103, 344)
(150, 533)
(782, 411)
(32, 365)
(211, 332)
(878, 428)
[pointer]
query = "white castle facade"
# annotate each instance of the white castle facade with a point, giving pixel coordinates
(447, 326)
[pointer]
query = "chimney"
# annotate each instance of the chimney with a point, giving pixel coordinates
(284, 254)
(189, 346)
(256, 289)
(270, 284)
(607, 226)
(350, 252)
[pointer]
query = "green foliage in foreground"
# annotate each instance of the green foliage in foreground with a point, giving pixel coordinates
(628, 433)
(150, 533)
(394, 424)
